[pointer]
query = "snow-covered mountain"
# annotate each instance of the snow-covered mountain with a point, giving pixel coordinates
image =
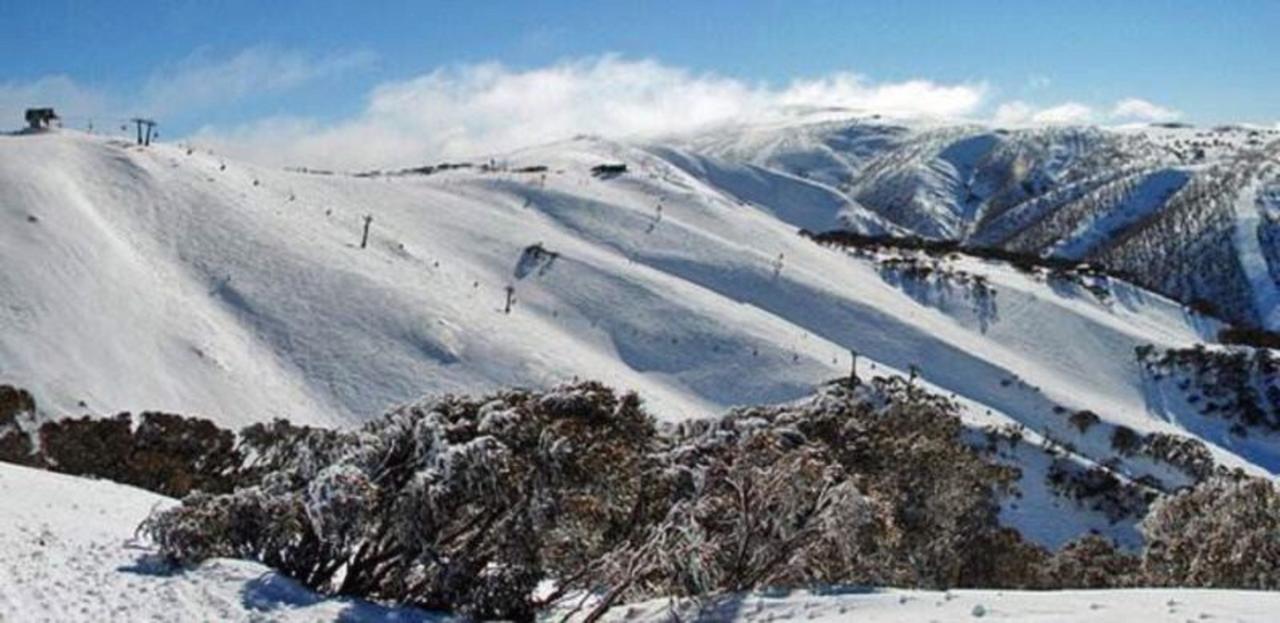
(1187, 212)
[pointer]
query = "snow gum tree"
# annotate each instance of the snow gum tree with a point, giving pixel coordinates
(469, 504)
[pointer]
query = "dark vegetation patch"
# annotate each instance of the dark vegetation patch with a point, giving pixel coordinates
(1025, 262)
(1239, 385)
(169, 454)
(1245, 336)
(608, 170)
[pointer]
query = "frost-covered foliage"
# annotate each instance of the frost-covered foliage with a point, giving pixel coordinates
(461, 504)
(17, 415)
(161, 452)
(1224, 532)
(468, 504)
(1187, 454)
(1091, 562)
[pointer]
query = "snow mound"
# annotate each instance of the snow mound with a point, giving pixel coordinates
(68, 553)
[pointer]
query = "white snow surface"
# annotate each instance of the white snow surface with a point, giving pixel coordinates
(69, 553)
(166, 278)
(899, 606)
(152, 279)
(1251, 205)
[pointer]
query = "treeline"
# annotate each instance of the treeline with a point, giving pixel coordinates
(1030, 263)
(162, 452)
(1025, 262)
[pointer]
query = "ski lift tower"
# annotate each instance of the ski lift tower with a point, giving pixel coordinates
(144, 138)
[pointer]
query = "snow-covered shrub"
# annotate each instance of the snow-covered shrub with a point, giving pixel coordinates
(14, 401)
(1189, 455)
(764, 508)
(1091, 562)
(1084, 420)
(1223, 533)
(456, 503)
(1125, 440)
(468, 504)
(161, 452)
(17, 415)
(902, 448)
(251, 523)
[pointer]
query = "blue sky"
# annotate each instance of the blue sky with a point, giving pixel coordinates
(216, 69)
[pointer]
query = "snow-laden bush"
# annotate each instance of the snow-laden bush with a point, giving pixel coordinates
(1223, 533)
(17, 419)
(1091, 562)
(455, 503)
(161, 452)
(469, 504)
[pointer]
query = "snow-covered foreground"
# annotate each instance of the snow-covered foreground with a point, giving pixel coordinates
(68, 554)
(894, 606)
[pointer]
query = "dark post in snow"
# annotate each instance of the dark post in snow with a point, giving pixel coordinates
(853, 368)
(511, 293)
(364, 239)
(914, 372)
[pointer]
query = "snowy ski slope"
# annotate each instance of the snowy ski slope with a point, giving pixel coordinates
(166, 279)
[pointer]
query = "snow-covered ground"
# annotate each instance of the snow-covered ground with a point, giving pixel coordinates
(894, 606)
(1250, 207)
(68, 552)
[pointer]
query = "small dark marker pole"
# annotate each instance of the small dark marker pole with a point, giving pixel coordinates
(853, 368)
(511, 292)
(364, 239)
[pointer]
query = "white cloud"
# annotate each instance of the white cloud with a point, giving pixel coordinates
(1068, 113)
(1134, 109)
(200, 81)
(906, 99)
(1019, 112)
(1013, 113)
(472, 110)
(1130, 109)
(477, 109)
